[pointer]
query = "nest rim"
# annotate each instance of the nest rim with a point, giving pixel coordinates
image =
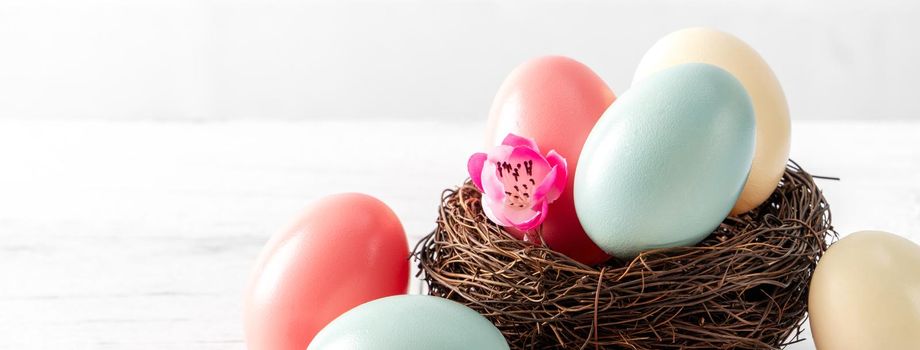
(711, 295)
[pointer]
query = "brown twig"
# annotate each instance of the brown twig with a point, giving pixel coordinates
(745, 286)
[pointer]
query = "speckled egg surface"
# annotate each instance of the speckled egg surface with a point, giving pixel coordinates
(666, 162)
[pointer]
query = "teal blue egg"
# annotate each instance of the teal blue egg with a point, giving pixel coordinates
(409, 322)
(665, 163)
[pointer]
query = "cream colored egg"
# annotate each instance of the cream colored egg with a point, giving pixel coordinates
(865, 294)
(770, 109)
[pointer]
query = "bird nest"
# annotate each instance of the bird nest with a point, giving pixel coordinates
(744, 286)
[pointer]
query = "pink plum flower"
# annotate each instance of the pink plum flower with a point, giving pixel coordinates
(517, 182)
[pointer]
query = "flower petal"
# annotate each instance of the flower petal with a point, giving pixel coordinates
(562, 174)
(539, 167)
(544, 190)
(500, 153)
(555, 159)
(487, 209)
(474, 166)
(520, 141)
(534, 221)
(522, 219)
(492, 186)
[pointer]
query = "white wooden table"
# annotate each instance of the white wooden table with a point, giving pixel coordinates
(140, 235)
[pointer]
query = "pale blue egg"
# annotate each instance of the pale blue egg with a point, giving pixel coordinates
(665, 163)
(409, 322)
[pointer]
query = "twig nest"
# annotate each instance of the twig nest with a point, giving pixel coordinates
(744, 286)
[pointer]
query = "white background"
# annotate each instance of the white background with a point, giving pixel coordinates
(149, 148)
(425, 60)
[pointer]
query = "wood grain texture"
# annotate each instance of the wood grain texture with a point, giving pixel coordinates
(141, 234)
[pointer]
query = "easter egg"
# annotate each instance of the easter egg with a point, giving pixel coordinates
(865, 294)
(664, 165)
(343, 251)
(555, 101)
(770, 109)
(410, 322)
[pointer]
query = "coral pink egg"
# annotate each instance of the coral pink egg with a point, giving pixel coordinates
(343, 251)
(555, 101)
